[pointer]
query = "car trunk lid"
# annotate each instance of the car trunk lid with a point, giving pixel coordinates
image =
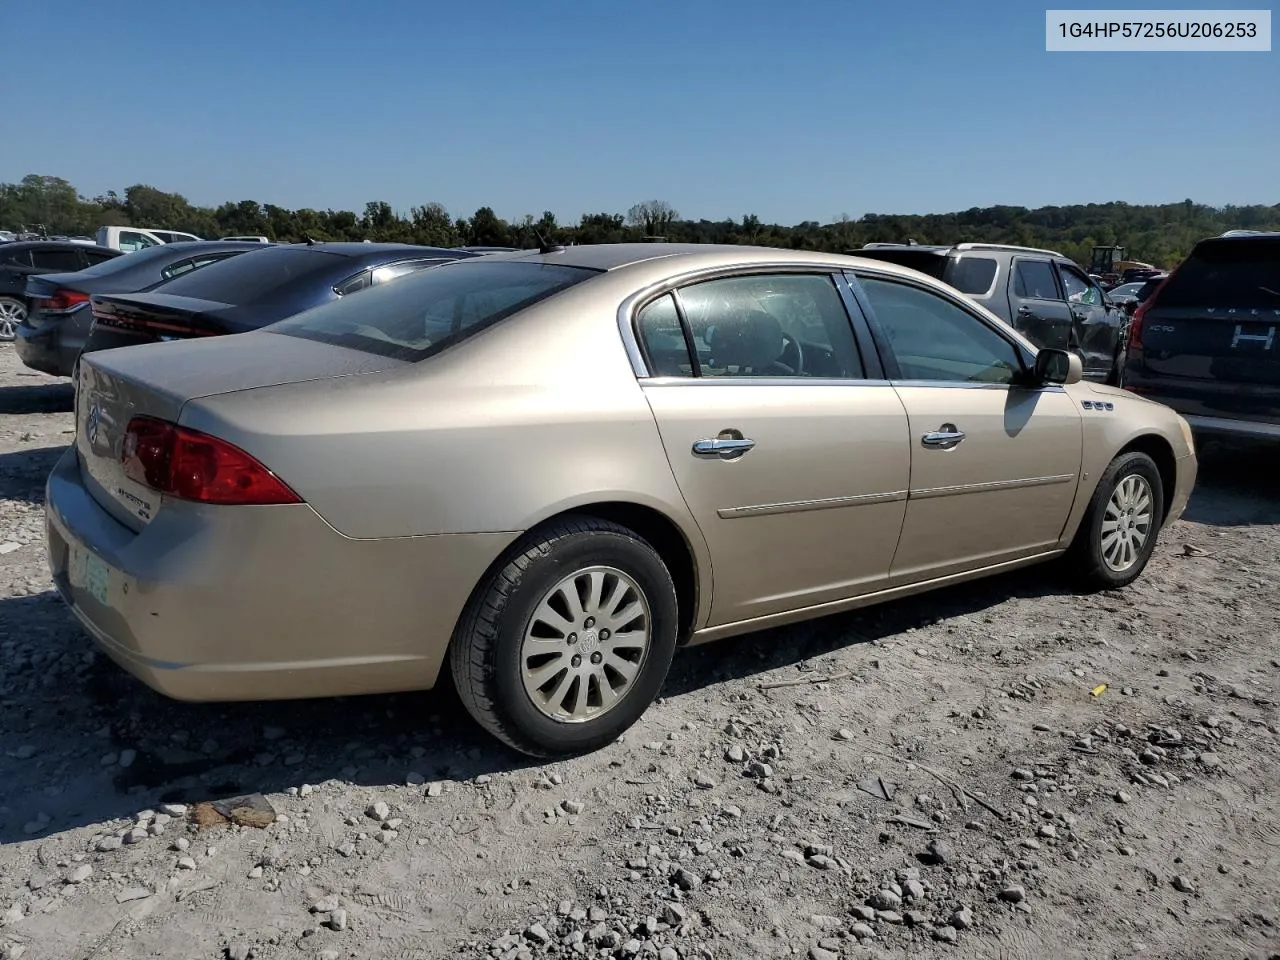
(162, 316)
(157, 380)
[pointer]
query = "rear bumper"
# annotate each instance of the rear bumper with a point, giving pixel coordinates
(1240, 429)
(53, 346)
(258, 603)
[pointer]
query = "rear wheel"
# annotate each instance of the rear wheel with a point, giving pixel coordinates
(567, 644)
(1120, 526)
(12, 313)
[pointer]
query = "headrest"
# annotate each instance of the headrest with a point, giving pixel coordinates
(752, 339)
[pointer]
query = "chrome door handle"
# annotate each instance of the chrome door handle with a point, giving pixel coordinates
(946, 438)
(727, 448)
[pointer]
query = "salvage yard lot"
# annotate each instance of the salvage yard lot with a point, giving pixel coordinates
(945, 774)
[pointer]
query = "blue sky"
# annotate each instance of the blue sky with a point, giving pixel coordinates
(794, 111)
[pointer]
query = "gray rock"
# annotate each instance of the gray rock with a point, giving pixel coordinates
(326, 904)
(1183, 884)
(844, 734)
(821, 953)
(136, 835)
(80, 874)
(1048, 831)
(913, 890)
(24, 752)
(186, 863)
(571, 807)
(884, 900)
(668, 953)
(129, 894)
(181, 844)
(889, 916)
(686, 880)
(735, 754)
(962, 919)
(1122, 797)
(945, 934)
(239, 950)
(759, 770)
(109, 844)
(127, 757)
(821, 862)
(940, 851)
(1023, 775)
(863, 913)
(338, 920)
(1013, 894)
(702, 781)
(377, 811)
(673, 914)
(174, 810)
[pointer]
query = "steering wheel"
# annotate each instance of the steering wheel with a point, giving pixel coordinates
(792, 354)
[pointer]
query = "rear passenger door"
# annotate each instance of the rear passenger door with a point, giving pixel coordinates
(790, 452)
(1038, 304)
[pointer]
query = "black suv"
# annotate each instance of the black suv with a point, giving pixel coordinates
(1207, 341)
(1040, 293)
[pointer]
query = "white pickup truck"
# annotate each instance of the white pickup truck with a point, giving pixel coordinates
(130, 239)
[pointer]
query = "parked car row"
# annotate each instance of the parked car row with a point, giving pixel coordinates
(524, 467)
(195, 288)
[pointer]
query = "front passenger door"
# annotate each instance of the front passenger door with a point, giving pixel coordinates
(994, 465)
(1095, 329)
(1040, 312)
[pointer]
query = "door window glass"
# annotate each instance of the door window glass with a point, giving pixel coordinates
(1033, 280)
(934, 339)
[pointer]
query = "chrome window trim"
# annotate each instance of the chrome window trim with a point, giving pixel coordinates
(761, 381)
(637, 301)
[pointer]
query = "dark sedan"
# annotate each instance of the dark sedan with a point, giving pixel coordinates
(247, 293)
(25, 258)
(59, 318)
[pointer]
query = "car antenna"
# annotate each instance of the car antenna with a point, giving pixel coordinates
(545, 246)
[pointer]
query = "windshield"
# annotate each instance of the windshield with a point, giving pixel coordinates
(1126, 290)
(423, 313)
(1232, 273)
(126, 262)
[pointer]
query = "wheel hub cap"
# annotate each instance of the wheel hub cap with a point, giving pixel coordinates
(585, 644)
(1127, 523)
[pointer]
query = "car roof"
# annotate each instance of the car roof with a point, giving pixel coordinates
(616, 256)
(54, 245)
(356, 248)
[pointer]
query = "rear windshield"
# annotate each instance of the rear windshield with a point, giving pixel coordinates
(115, 265)
(1228, 274)
(423, 313)
(972, 274)
(243, 280)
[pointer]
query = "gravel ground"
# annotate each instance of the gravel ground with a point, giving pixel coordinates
(935, 776)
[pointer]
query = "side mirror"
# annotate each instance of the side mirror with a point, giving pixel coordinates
(1058, 366)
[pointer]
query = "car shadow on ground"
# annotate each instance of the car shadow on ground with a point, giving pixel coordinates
(38, 398)
(23, 472)
(68, 715)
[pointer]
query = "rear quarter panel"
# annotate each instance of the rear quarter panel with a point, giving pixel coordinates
(536, 416)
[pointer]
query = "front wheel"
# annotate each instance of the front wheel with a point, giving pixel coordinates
(1120, 526)
(12, 313)
(569, 641)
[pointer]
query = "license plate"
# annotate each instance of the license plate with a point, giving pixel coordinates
(93, 573)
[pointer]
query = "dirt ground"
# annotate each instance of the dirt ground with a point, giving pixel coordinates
(936, 776)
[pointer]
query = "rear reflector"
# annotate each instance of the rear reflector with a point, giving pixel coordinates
(191, 465)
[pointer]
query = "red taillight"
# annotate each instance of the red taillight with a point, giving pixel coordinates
(62, 301)
(1135, 322)
(191, 465)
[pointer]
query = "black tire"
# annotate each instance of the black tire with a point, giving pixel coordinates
(1085, 558)
(485, 652)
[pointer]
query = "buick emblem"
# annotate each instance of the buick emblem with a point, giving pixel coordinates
(92, 423)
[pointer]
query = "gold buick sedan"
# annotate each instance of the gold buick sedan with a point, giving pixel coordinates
(545, 471)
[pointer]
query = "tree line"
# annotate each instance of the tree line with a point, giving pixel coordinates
(1161, 234)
